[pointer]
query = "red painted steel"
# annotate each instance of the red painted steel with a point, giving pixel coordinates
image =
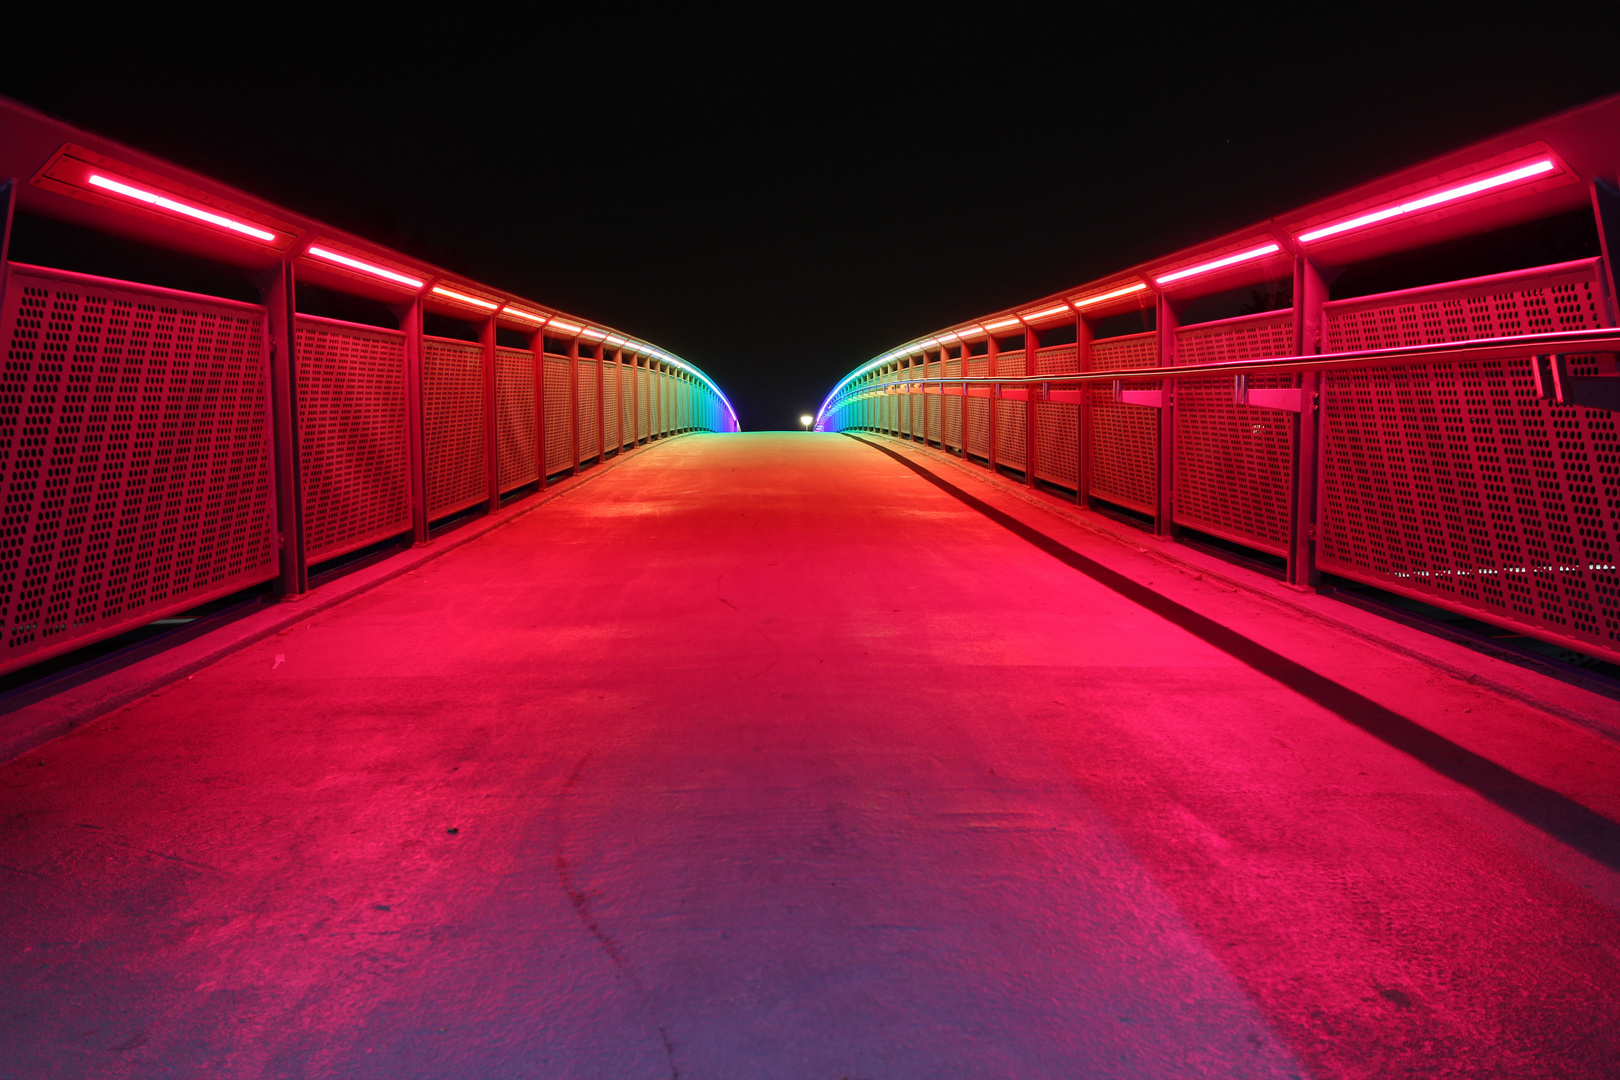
(643, 404)
(453, 429)
(588, 412)
(1234, 463)
(1124, 438)
(156, 437)
(1011, 416)
(559, 427)
(351, 420)
(1057, 424)
(953, 408)
(515, 418)
(1454, 483)
(627, 401)
(135, 448)
(610, 404)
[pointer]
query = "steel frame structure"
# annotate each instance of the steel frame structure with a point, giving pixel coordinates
(1453, 442)
(163, 449)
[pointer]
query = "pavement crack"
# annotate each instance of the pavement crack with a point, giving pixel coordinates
(581, 904)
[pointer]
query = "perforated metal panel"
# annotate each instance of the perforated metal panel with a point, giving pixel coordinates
(1234, 463)
(134, 445)
(453, 424)
(1563, 297)
(1125, 438)
(979, 427)
(627, 402)
(559, 432)
(1057, 425)
(1057, 443)
(932, 404)
(610, 404)
(953, 423)
(643, 406)
(1011, 420)
(518, 453)
(953, 408)
(1057, 359)
(351, 433)
(588, 420)
(1455, 484)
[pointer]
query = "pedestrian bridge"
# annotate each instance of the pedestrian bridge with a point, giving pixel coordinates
(410, 679)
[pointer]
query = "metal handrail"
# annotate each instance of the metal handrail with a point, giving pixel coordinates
(1556, 343)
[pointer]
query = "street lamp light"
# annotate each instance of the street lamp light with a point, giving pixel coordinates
(807, 420)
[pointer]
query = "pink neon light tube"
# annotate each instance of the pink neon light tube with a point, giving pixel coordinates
(175, 206)
(464, 298)
(565, 327)
(1000, 324)
(1089, 301)
(1434, 198)
(1217, 264)
(526, 316)
(1063, 310)
(594, 334)
(364, 267)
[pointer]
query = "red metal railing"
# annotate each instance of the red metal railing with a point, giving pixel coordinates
(162, 449)
(1455, 472)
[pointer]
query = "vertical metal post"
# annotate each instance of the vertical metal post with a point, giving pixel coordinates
(601, 403)
(993, 363)
(1606, 209)
(1032, 346)
(492, 449)
(1082, 348)
(8, 207)
(922, 396)
(573, 406)
(1310, 293)
(410, 323)
(639, 363)
(961, 416)
(537, 347)
(1164, 516)
(279, 293)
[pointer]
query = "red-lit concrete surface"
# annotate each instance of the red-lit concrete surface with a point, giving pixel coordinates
(765, 757)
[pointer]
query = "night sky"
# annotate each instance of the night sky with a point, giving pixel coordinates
(782, 195)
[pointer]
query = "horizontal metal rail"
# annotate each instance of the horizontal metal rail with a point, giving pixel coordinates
(1557, 343)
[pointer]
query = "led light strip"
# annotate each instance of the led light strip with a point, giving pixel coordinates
(565, 327)
(594, 334)
(1436, 198)
(175, 206)
(526, 316)
(364, 267)
(1217, 264)
(1090, 301)
(463, 298)
(1000, 324)
(1060, 310)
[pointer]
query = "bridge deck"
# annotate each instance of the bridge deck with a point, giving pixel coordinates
(764, 756)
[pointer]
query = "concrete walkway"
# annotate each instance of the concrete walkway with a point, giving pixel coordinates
(767, 757)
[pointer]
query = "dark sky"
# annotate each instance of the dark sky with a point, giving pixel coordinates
(778, 197)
